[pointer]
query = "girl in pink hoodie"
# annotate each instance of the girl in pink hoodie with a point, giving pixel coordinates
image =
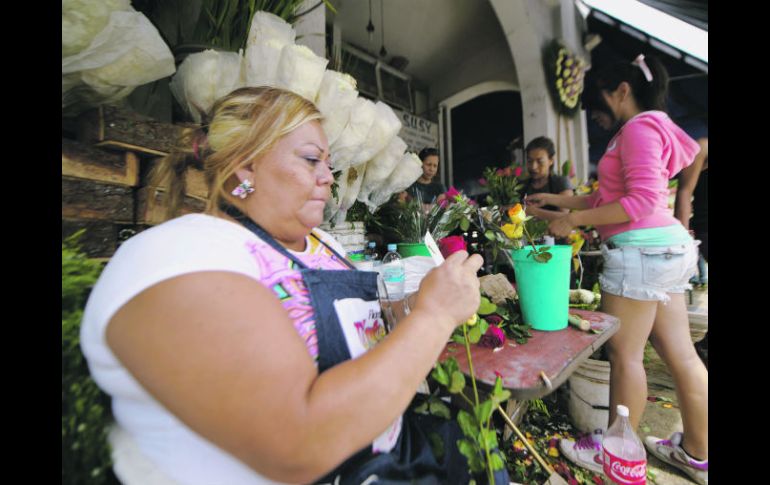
(648, 257)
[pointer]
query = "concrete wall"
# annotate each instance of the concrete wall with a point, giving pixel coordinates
(528, 26)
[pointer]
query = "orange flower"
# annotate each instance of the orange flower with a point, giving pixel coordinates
(517, 214)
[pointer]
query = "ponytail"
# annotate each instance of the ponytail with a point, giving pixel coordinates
(170, 172)
(650, 94)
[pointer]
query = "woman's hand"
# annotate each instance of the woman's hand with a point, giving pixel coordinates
(539, 200)
(451, 291)
(561, 227)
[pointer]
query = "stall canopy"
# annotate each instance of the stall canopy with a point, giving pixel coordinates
(678, 28)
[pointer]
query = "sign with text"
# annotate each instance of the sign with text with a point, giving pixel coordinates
(418, 133)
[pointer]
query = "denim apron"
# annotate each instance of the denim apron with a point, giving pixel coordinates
(411, 460)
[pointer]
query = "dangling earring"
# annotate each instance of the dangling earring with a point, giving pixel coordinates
(243, 190)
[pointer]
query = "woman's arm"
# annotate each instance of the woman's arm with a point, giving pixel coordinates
(612, 213)
(579, 202)
(221, 353)
(549, 215)
(688, 180)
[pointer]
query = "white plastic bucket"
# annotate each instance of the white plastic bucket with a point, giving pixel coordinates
(589, 395)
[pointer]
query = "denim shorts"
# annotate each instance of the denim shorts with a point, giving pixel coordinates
(648, 273)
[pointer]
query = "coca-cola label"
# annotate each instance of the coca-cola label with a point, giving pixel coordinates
(624, 471)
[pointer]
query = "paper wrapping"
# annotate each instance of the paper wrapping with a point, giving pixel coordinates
(335, 101)
(386, 125)
(82, 20)
(353, 137)
(204, 77)
(407, 171)
(267, 26)
(268, 35)
(349, 185)
(380, 167)
(300, 71)
(128, 52)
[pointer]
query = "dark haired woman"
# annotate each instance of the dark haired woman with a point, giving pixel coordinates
(648, 257)
(540, 163)
(428, 191)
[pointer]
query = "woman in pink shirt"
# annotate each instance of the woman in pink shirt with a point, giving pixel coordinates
(648, 257)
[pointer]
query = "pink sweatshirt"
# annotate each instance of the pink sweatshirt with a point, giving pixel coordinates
(640, 159)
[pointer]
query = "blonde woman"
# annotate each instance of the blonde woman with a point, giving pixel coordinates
(238, 345)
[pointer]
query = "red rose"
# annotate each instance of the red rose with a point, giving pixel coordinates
(493, 338)
(517, 172)
(482, 181)
(451, 244)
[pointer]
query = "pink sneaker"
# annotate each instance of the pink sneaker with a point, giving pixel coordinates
(585, 452)
(672, 453)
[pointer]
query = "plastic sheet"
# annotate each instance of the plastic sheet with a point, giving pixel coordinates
(386, 125)
(268, 35)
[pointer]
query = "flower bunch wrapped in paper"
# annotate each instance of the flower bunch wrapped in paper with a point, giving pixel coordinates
(407, 171)
(380, 167)
(268, 35)
(108, 49)
(203, 78)
(385, 127)
(335, 100)
(82, 20)
(353, 136)
(300, 71)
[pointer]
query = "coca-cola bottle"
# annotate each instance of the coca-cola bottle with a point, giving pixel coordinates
(625, 460)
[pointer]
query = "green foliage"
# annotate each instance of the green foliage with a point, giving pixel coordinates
(226, 23)
(480, 444)
(504, 187)
(404, 222)
(85, 408)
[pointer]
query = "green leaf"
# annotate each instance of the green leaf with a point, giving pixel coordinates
(502, 397)
(422, 408)
(544, 249)
(464, 224)
(489, 438)
(474, 335)
(440, 375)
(438, 408)
(467, 449)
(458, 382)
(451, 365)
(436, 444)
(458, 339)
(467, 424)
(496, 461)
(484, 411)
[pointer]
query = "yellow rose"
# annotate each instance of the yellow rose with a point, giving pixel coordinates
(516, 213)
(513, 231)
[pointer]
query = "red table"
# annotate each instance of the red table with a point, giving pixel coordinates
(557, 353)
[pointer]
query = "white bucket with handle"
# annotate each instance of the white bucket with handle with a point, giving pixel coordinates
(589, 395)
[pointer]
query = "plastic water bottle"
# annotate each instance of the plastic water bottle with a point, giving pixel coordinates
(625, 460)
(394, 273)
(370, 254)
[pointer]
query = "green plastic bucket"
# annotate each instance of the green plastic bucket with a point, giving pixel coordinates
(413, 249)
(543, 287)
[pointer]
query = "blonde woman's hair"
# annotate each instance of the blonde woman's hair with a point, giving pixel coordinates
(242, 127)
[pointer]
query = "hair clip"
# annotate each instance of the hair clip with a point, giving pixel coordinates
(639, 62)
